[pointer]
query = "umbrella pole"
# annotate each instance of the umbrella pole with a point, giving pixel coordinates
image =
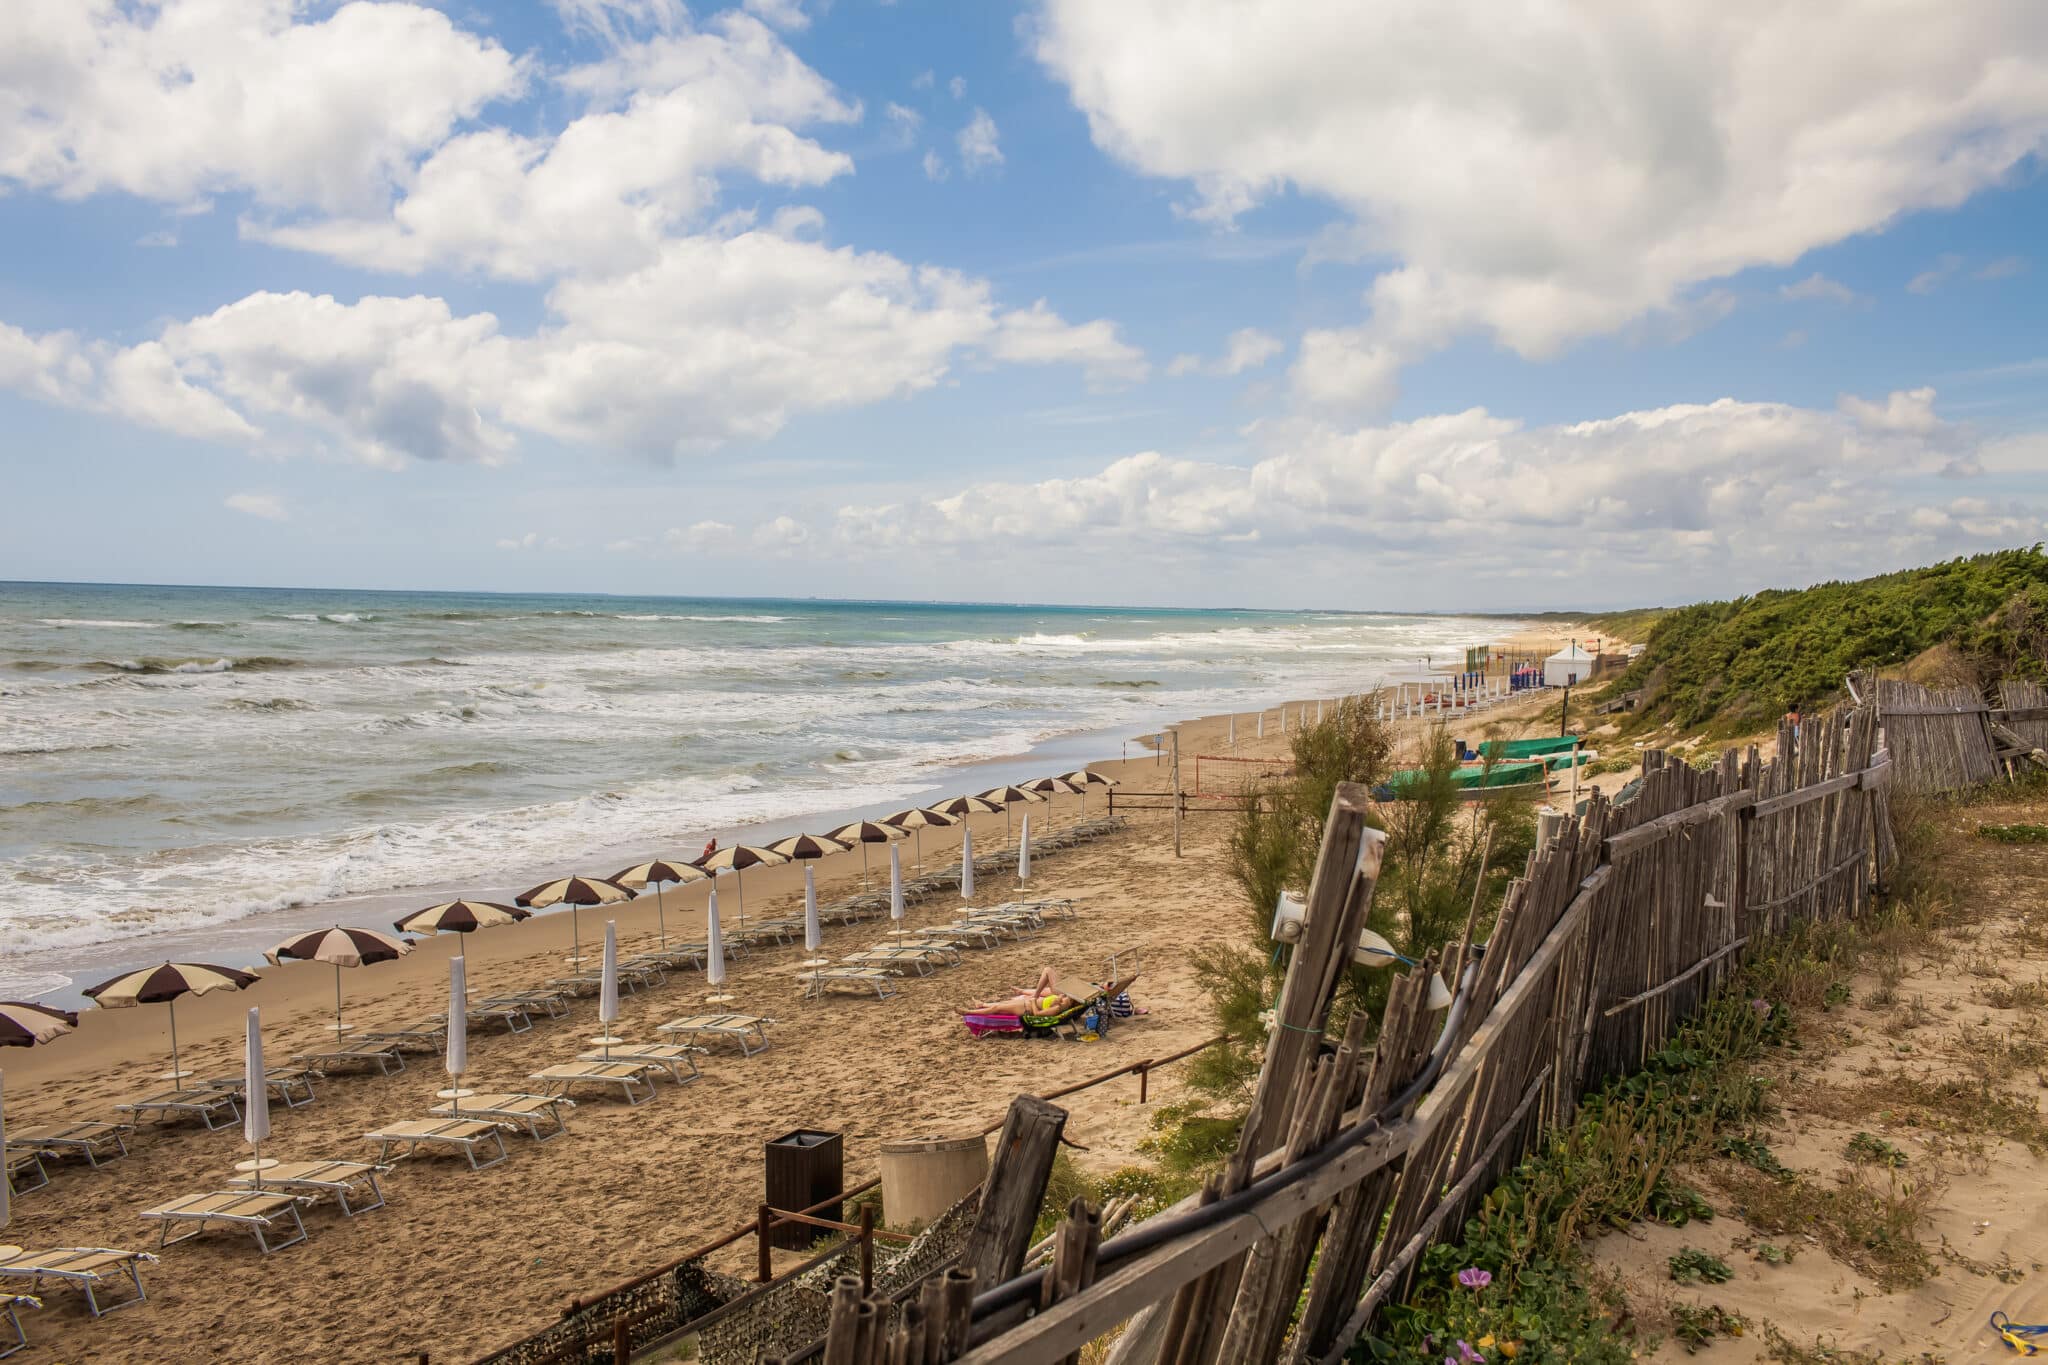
(739, 886)
(576, 935)
(863, 865)
(920, 850)
(337, 1010)
(177, 1074)
(662, 916)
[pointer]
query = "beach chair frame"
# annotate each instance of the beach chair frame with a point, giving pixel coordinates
(203, 1104)
(26, 1160)
(671, 1058)
(254, 1223)
(311, 1182)
(428, 1035)
(73, 1139)
(468, 1144)
(60, 1264)
(11, 1305)
(279, 1080)
(514, 1110)
(514, 1017)
(634, 1083)
(740, 1028)
(386, 1058)
(862, 979)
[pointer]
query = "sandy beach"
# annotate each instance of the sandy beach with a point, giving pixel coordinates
(460, 1262)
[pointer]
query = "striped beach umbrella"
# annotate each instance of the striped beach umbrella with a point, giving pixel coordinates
(737, 858)
(343, 948)
(1049, 787)
(26, 1025)
(162, 985)
(575, 892)
(658, 873)
(865, 832)
(460, 917)
(917, 820)
(1007, 797)
(1084, 779)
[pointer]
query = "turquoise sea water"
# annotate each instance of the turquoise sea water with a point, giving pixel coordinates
(177, 758)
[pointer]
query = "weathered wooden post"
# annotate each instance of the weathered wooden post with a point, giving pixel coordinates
(1177, 802)
(1010, 1197)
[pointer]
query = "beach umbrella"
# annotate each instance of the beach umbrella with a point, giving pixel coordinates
(26, 1025)
(814, 938)
(255, 1099)
(1084, 779)
(865, 832)
(658, 873)
(967, 863)
(608, 988)
(916, 820)
(1049, 787)
(737, 858)
(344, 948)
(896, 886)
(458, 1032)
(1024, 851)
(460, 917)
(1007, 797)
(162, 985)
(575, 892)
(807, 847)
(714, 951)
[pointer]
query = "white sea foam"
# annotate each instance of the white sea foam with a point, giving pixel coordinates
(97, 625)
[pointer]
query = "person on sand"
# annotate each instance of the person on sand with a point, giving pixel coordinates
(709, 849)
(1042, 997)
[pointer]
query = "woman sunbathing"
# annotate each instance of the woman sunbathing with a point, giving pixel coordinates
(1041, 998)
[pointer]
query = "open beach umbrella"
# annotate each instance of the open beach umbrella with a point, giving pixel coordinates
(575, 892)
(916, 820)
(255, 1099)
(1084, 779)
(608, 988)
(1024, 850)
(658, 873)
(814, 938)
(460, 917)
(1049, 787)
(344, 948)
(967, 863)
(162, 985)
(23, 1024)
(1007, 797)
(714, 951)
(458, 1032)
(865, 832)
(737, 858)
(807, 849)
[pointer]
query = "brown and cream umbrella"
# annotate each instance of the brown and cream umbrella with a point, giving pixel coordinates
(1049, 787)
(1007, 797)
(23, 1024)
(575, 892)
(162, 985)
(865, 832)
(917, 820)
(343, 948)
(1084, 779)
(460, 917)
(657, 873)
(737, 858)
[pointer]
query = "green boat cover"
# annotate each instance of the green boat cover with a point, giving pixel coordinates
(1472, 778)
(1529, 748)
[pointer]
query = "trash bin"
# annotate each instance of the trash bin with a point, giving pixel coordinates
(803, 1168)
(923, 1177)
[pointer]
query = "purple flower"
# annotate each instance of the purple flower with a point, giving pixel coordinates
(1472, 1277)
(1761, 1006)
(1468, 1356)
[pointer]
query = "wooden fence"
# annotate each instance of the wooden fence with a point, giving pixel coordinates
(1355, 1159)
(1949, 739)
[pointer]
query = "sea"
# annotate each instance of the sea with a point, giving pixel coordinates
(183, 768)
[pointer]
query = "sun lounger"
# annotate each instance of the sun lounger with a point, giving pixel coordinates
(464, 1134)
(631, 1078)
(933, 951)
(670, 1057)
(744, 1029)
(863, 980)
(70, 1139)
(86, 1267)
(513, 1017)
(314, 1179)
(428, 1035)
(554, 1004)
(282, 1081)
(205, 1105)
(25, 1171)
(384, 1056)
(674, 957)
(11, 1305)
(1061, 907)
(258, 1211)
(1062, 1023)
(970, 931)
(634, 979)
(901, 963)
(513, 1110)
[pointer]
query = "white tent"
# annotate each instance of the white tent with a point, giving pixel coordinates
(1568, 666)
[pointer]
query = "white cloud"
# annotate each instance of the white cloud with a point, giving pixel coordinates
(784, 533)
(1038, 336)
(958, 85)
(2005, 267)
(923, 80)
(618, 22)
(903, 119)
(934, 165)
(1908, 410)
(1345, 370)
(1540, 210)
(140, 384)
(787, 15)
(184, 99)
(1247, 349)
(268, 506)
(1931, 279)
(979, 150)
(1819, 287)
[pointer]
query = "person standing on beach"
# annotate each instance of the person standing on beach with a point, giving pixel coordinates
(709, 849)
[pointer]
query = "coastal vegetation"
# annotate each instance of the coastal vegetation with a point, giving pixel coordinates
(1738, 664)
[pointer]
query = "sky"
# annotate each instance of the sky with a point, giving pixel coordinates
(1155, 302)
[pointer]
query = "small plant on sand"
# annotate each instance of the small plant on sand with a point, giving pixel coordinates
(1693, 1266)
(1867, 1149)
(1875, 1229)
(1753, 1151)
(1770, 1253)
(1697, 1324)
(2014, 834)
(1678, 1204)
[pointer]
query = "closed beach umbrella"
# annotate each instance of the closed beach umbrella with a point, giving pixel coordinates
(658, 873)
(575, 892)
(458, 1031)
(1084, 779)
(344, 948)
(714, 950)
(162, 985)
(255, 1099)
(896, 886)
(1007, 797)
(737, 858)
(1024, 851)
(814, 938)
(23, 1024)
(916, 820)
(608, 986)
(1049, 787)
(967, 864)
(865, 832)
